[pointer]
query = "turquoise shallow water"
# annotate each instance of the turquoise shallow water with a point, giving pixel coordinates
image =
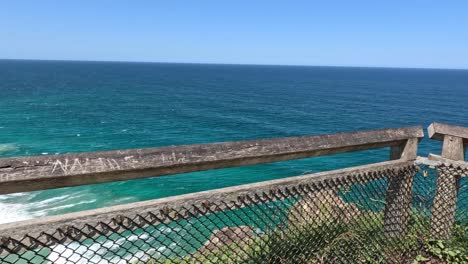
(59, 107)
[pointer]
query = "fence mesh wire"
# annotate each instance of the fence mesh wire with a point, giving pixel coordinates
(378, 217)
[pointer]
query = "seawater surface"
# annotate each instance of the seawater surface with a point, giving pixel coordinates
(49, 107)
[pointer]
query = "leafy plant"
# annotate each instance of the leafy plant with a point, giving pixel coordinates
(444, 251)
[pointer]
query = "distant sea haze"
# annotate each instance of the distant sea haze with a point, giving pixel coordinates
(49, 107)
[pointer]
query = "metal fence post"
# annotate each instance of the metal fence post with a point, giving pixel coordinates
(445, 200)
(399, 191)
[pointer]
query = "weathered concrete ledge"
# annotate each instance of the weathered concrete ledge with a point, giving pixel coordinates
(438, 131)
(22, 174)
(434, 160)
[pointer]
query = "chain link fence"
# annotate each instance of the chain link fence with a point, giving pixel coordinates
(376, 217)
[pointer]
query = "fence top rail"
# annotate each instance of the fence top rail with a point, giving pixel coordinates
(437, 131)
(22, 174)
(59, 227)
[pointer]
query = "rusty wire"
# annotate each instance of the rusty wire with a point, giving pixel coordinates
(344, 220)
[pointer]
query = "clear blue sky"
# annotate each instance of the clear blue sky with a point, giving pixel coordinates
(396, 33)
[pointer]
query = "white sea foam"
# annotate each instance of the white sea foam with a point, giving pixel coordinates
(15, 207)
(72, 252)
(18, 206)
(8, 147)
(61, 207)
(21, 206)
(10, 196)
(11, 212)
(79, 253)
(47, 202)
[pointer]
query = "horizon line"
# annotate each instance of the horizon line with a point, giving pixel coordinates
(232, 64)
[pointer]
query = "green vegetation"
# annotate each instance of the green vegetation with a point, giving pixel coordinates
(454, 250)
(360, 240)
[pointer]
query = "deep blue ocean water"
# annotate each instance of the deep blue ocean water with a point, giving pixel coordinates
(49, 107)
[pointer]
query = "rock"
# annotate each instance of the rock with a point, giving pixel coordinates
(321, 207)
(226, 236)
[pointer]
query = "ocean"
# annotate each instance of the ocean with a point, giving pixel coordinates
(49, 107)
